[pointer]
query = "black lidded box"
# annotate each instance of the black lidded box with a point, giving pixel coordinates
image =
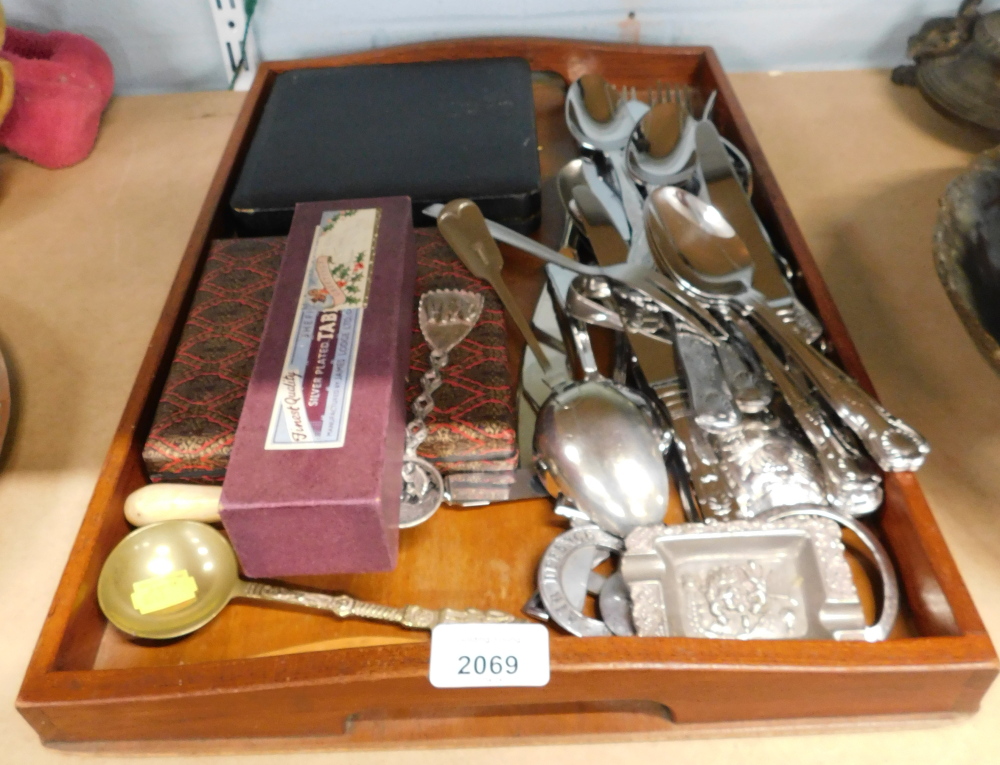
(432, 131)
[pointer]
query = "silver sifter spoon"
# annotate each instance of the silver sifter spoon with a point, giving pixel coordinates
(446, 317)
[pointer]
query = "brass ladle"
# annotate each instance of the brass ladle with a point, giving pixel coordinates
(152, 554)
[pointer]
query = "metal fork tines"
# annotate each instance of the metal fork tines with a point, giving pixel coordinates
(671, 93)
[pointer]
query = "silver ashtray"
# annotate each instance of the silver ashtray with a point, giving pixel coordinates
(744, 580)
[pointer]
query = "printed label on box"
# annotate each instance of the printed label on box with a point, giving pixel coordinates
(313, 399)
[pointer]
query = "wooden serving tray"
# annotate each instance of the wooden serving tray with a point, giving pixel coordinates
(305, 680)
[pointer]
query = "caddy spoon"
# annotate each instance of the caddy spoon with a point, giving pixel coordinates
(598, 448)
(598, 444)
(445, 317)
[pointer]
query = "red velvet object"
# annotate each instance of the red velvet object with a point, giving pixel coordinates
(62, 82)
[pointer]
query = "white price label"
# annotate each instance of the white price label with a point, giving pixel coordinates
(489, 655)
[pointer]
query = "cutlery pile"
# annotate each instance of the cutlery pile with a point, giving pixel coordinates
(768, 436)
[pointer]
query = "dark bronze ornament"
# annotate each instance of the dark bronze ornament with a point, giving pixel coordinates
(967, 250)
(957, 65)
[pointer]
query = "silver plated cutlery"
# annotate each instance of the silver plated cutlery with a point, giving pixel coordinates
(674, 218)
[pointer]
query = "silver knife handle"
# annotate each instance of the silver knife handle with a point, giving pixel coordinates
(800, 319)
(893, 444)
(850, 487)
(700, 460)
(631, 198)
(862, 491)
(752, 391)
(711, 399)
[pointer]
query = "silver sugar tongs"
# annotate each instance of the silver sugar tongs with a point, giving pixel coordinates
(654, 285)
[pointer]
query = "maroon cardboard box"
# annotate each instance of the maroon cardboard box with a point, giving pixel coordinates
(314, 480)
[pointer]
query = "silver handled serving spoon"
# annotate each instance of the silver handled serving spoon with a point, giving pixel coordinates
(600, 445)
(204, 561)
(678, 222)
(648, 281)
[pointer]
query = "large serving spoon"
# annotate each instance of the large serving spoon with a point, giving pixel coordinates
(646, 280)
(596, 446)
(172, 578)
(680, 228)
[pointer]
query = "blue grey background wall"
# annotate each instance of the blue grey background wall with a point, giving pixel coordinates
(170, 46)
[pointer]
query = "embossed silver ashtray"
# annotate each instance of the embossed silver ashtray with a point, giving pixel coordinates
(749, 580)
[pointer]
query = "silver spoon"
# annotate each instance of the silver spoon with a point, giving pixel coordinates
(662, 150)
(583, 173)
(597, 447)
(189, 570)
(599, 444)
(646, 280)
(678, 222)
(596, 115)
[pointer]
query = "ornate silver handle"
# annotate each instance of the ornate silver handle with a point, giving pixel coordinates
(848, 486)
(801, 320)
(344, 606)
(890, 588)
(712, 401)
(751, 389)
(708, 485)
(893, 444)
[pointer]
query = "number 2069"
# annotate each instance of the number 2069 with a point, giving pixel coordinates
(482, 665)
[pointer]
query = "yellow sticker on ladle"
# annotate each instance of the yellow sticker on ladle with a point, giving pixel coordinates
(160, 592)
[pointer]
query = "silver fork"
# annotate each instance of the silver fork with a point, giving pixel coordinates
(635, 105)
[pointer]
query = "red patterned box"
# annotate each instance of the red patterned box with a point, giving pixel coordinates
(471, 430)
